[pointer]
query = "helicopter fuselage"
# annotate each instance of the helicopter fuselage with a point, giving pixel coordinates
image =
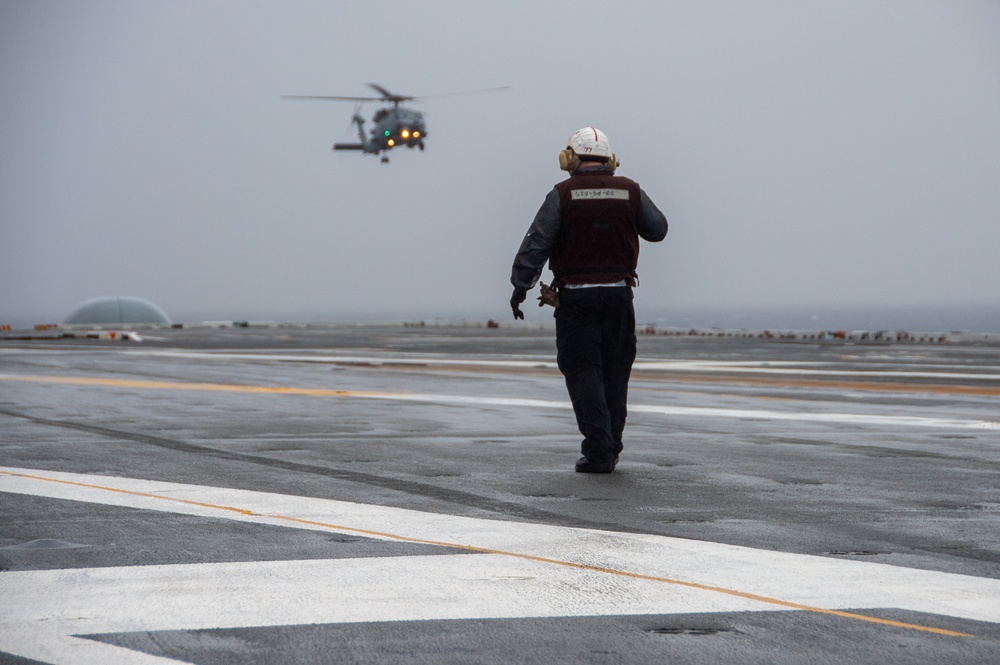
(394, 127)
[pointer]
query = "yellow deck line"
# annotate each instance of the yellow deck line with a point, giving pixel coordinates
(483, 550)
(181, 385)
(877, 386)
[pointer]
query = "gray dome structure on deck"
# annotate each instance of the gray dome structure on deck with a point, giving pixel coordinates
(117, 311)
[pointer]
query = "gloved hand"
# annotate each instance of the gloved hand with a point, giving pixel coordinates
(516, 299)
(549, 296)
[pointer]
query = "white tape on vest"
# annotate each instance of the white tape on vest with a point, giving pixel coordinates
(591, 194)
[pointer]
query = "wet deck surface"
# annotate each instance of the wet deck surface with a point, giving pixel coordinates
(391, 494)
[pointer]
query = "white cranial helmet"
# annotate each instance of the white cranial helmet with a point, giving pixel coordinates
(590, 143)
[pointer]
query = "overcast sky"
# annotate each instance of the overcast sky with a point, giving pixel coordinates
(809, 155)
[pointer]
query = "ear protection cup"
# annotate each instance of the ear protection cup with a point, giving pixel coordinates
(568, 160)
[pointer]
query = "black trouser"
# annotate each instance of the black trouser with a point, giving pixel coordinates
(595, 343)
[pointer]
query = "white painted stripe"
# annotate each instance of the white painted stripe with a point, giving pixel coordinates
(708, 412)
(747, 367)
(763, 367)
(799, 578)
(44, 609)
(817, 417)
(274, 593)
(48, 645)
(673, 411)
(799, 370)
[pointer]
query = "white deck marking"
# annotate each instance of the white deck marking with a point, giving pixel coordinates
(868, 369)
(518, 570)
(808, 368)
(676, 411)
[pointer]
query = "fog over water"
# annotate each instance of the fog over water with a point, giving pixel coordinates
(828, 164)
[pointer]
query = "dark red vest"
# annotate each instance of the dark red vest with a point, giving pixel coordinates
(598, 239)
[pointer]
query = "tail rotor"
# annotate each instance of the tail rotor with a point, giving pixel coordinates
(356, 119)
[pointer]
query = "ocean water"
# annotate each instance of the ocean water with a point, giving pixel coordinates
(928, 319)
(911, 319)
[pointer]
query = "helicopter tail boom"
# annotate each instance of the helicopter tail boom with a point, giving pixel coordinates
(348, 146)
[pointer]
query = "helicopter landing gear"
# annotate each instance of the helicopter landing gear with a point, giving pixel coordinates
(421, 146)
(385, 160)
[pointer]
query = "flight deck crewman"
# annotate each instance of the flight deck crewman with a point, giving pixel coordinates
(588, 229)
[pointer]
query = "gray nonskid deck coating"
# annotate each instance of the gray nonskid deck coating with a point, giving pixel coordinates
(919, 497)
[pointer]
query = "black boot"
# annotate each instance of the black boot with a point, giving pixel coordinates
(583, 465)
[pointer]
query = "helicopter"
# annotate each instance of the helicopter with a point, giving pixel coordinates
(395, 126)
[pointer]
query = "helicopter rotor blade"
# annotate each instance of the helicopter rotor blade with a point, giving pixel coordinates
(328, 97)
(385, 93)
(388, 96)
(463, 92)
